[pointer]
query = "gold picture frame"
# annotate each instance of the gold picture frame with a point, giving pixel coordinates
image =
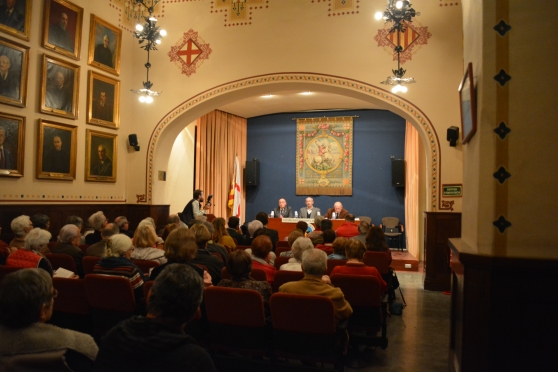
(16, 20)
(101, 150)
(12, 145)
(59, 88)
(14, 67)
(104, 45)
(62, 23)
(56, 151)
(103, 101)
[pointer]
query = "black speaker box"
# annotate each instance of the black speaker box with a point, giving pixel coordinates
(133, 139)
(252, 173)
(452, 136)
(397, 172)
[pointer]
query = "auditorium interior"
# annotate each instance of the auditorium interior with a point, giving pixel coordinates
(236, 82)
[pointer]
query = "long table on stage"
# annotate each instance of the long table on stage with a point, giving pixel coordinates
(285, 225)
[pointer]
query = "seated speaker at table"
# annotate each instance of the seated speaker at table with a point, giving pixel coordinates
(309, 211)
(337, 212)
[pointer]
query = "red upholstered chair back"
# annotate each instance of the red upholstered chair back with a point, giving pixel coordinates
(256, 274)
(332, 263)
(282, 244)
(109, 292)
(283, 276)
(146, 288)
(234, 306)
(379, 260)
(89, 263)
(243, 247)
(145, 265)
(61, 260)
(302, 313)
(217, 255)
(84, 247)
(5, 270)
(280, 250)
(280, 261)
(359, 290)
(71, 297)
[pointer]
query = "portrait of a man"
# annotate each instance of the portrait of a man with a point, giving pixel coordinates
(56, 151)
(59, 91)
(101, 165)
(58, 33)
(6, 161)
(12, 129)
(103, 53)
(9, 77)
(12, 14)
(104, 45)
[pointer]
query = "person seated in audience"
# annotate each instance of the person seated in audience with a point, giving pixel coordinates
(203, 257)
(273, 234)
(271, 256)
(144, 241)
(157, 342)
(99, 249)
(349, 227)
(78, 221)
(97, 221)
(337, 212)
(117, 262)
(31, 254)
(239, 266)
(20, 227)
(26, 305)
(300, 246)
(293, 236)
(212, 246)
(282, 210)
(124, 226)
(354, 250)
(314, 265)
(261, 247)
(328, 236)
(151, 222)
(376, 242)
(181, 248)
(339, 246)
(175, 219)
(234, 230)
(302, 226)
(69, 244)
(252, 228)
(41, 221)
(167, 230)
(221, 235)
(4, 250)
(316, 235)
(363, 228)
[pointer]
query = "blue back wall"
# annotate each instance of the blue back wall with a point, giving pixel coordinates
(378, 135)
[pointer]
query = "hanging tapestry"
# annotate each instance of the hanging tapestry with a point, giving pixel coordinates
(324, 157)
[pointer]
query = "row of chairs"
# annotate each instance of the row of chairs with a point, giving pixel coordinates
(89, 262)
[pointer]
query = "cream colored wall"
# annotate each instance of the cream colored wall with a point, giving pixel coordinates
(32, 188)
(527, 199)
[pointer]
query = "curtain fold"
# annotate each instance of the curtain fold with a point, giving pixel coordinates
(412, 218)
(220, 138)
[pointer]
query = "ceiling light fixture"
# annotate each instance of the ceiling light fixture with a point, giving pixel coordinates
(267, 96)
(237, 5)
(306, 93)
(152, 35)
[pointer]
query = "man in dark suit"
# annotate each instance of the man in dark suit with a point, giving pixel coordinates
(69, 244)
(273, 234)
(233, 230)
(9, 80)
(59, 94)
(337, 212)
(103, 54)
(57, 157)
(10, 16)
(102, 109)
(58, 34)
(309, 211)
(5, 154)
(283, 210)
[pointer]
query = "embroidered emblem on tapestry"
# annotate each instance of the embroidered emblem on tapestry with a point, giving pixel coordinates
(324, 158)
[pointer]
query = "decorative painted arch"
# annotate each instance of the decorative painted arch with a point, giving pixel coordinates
(257, 85)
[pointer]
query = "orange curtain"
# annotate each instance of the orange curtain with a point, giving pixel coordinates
(412, 190)
(221, 137)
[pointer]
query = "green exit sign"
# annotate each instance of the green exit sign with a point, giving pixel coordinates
(452, 191)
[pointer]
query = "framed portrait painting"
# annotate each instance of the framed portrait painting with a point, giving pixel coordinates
(14, 66)
(103, 101)
(57, 149)
(59, 88)
(104, 45)
(468, 105)
(12, 140)
(15, 17)
(101, 151)
(62, 24)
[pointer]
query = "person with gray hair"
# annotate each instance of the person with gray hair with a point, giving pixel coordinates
(69, 244)
(252, 228)
(150, 221)
(75, 220)
(124, 226)
(314, 265)
(20, 227)
(175, 219)
(363, 228)
(97, 221)
(298, 248)
(99, 249)
(26, 304)
(30, 255)
(158, 342)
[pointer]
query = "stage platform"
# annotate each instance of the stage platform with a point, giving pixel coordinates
(400, 258)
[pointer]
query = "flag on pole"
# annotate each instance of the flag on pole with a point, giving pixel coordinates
(234, 195)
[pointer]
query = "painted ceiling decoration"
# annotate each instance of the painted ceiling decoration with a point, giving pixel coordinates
(340, 7)
(449, 3)
(411, 40)
(189, 52)
(238, 12)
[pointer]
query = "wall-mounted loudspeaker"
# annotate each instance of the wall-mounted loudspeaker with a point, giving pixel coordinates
(453, 136)
(252, 173)
(397, 172)
(133, 140)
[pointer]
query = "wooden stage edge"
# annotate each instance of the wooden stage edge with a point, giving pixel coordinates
(399, 259)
